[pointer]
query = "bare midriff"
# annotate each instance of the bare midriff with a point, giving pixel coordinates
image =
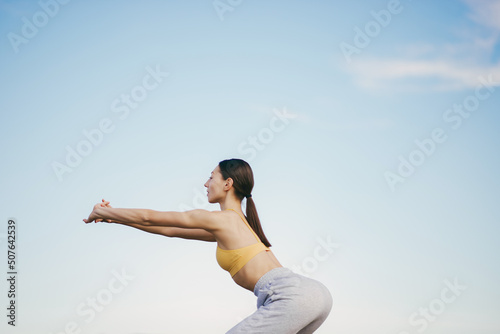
(251, 272)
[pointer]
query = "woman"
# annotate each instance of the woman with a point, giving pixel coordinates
(286, 302)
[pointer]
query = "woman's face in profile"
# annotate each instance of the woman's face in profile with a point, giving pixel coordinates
(214, 185)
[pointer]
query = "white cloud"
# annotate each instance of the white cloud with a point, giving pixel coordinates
(438, 74)
(450, 66)
(485, 12)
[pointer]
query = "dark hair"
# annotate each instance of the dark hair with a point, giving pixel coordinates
(242, 175)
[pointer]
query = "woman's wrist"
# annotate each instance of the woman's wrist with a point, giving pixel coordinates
(101, 213)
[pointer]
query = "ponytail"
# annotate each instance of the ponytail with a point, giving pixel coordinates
(254, 221)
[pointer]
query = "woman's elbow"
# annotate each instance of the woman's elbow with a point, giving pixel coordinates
(157, 218)
(147, 217)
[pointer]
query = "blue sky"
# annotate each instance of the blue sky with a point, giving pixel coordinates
(389, 153)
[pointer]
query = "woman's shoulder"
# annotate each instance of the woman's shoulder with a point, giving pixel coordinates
(222, 218)
(208, 220)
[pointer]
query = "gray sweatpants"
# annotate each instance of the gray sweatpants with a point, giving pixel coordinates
(287, 303)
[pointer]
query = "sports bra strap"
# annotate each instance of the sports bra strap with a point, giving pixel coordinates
(250, 227)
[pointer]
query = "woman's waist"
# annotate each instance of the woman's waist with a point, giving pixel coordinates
(255, 269)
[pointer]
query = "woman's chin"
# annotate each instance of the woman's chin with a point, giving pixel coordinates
(212, 200)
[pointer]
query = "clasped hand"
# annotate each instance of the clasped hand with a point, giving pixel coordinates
(93, 215)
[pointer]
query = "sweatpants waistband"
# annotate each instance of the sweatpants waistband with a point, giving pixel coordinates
(269, 276)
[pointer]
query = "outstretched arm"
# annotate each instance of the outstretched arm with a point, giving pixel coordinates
(194, 224)
(197, 218)
(174, 232)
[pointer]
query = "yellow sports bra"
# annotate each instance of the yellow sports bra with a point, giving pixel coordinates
(233, 260)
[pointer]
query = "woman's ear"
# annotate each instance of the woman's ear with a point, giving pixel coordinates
(228, 184)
